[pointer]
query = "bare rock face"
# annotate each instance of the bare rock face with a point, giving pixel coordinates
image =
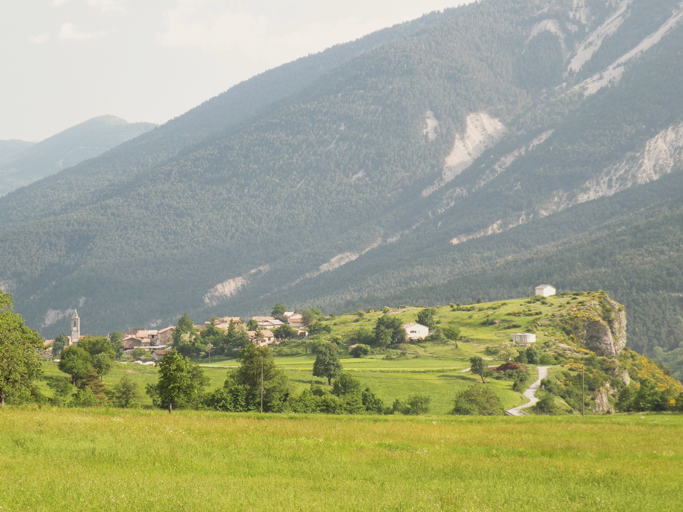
(605, 334)
(602, 405)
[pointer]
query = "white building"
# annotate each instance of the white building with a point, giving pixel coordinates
(294, 319)
(416, 331)
(524, 337)
(545, 290)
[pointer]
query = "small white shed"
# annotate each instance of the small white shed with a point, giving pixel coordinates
(416, 331)
(545, 290)
(524, 337)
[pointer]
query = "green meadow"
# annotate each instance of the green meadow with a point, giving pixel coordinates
(113, 459)
(434, 369)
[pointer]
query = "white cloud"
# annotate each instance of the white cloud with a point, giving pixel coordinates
(39, 38)
(69, 32)
(105, 5)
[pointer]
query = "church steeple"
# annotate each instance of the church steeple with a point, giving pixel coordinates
(75, 329)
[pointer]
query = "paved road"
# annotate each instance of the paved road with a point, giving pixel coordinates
(530, 394)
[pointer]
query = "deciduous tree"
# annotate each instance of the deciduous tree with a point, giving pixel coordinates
(478, 367)
(327, 363)
(20, 362)
(76, 362)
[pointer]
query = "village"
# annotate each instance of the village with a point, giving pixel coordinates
(151, 345)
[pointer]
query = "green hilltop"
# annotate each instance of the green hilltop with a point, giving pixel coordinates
(573, 331)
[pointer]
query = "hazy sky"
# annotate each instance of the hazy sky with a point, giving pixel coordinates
(65, 61)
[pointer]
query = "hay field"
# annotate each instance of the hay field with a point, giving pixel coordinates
(113, 459)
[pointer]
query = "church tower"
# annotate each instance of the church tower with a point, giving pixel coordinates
(75, 328)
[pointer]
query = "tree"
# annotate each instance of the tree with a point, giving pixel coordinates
(252, 325)
(648, 397)
(414, 405)
(237, 335)
(546, 406)
(451, 332)
(97, 345)
(138, 353)
(477, 400)
(60, 342)
(371, 402)
(92, 381)
(20, 362)
(346, 385)
(279, 312)
(102, 363)
(625, 399)
(389, 330)
(426, 317)
(84, 398)
(532, 355)
(285, 332)
(311, 315)
(508, 353)
(116, 339)
(179, 384)
(319, 328)
(185, 326)
(478, 367)
(360, 350)
(327, 363)
(258, 369)
(126, 393)
(76, 362)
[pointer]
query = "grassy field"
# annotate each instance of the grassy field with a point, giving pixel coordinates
(109, 459)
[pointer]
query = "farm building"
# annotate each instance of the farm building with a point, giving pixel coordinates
(523, 337)
(294, 319)
(416, 331)
(545, 290)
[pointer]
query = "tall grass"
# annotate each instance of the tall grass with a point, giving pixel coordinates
(111, 459)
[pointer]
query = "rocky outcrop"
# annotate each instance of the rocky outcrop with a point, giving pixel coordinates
(606, 338)
(600, 326)
(602, 405)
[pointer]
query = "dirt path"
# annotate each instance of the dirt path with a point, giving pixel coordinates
(530, 394)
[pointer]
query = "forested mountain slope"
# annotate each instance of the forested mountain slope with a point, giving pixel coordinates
(9, 148)
(65, 190)
(501, 144)
(66, 149)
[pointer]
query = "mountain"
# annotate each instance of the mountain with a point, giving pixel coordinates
(66, 149)
(9, 148)
(229, 109)
(471, 154)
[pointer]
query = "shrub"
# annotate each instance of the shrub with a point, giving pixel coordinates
(360, 350)
(547, 359)
(545, 406)
(477, 400)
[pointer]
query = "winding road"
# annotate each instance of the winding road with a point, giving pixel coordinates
(530, 394)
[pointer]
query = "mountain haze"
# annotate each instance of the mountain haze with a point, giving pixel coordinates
(472, 153)
(66, 149)
(9, 148)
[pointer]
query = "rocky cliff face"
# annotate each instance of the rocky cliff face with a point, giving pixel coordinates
(607, 336)
(598, 325)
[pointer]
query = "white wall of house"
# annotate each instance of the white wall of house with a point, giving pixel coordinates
(545, 290)
(524, 337)
(416, 331)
